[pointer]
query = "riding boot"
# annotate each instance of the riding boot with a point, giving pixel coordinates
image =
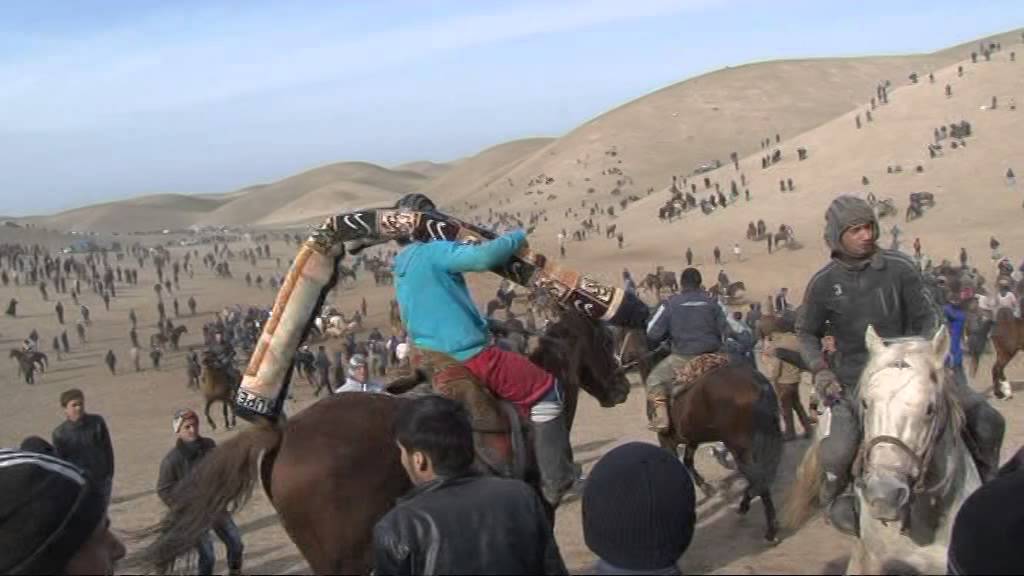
(841, 503)
(554, 458)
(986, 427)
(659, 416)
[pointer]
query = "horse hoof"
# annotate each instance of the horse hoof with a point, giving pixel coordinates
(771, 539)
(743, 509)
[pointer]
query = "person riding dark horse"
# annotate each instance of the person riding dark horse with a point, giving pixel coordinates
(694, 324)
(444, 323)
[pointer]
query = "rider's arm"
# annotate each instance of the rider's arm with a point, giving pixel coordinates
(482, 257)
(810, 328)
(658, 327)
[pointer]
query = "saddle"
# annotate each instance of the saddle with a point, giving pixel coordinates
(696, 369)
(497, 430)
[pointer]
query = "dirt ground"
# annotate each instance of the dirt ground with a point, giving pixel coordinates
(138, 409)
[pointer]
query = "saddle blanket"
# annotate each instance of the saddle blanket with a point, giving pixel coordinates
(696, 369)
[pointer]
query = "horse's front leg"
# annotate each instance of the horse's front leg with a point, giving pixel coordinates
(688, 454)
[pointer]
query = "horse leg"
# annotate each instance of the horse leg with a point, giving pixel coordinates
(213, 425)
(745, 503)
(997, 373)
(224, 409)
(690, 452)
(769, 517)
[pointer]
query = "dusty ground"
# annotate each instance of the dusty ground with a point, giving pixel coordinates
(138, 410)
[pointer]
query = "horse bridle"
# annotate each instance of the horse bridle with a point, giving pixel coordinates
(921, 462)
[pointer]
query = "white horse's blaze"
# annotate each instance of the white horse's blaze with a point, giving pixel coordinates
(905, 411)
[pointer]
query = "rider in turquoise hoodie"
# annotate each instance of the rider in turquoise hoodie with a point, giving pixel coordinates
(439, 315)
(435, 303)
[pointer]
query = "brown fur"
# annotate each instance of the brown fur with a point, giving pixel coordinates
(218, 386)
(1007, 339)
(736, 406)
(333, 470)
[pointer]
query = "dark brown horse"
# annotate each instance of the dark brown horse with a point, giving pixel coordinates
(333, 470)
(218, 385)
(28, 363)
(735, 405)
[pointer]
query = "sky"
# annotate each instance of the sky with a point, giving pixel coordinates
(106, 100)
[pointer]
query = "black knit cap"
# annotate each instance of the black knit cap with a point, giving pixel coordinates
(48, 509)
(989, 529)
(639, 508)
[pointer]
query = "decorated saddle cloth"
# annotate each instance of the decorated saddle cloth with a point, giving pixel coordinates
(493, 424)
(695, 369)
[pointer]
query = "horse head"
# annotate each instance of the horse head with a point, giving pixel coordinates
(579, 348)
(905, 406)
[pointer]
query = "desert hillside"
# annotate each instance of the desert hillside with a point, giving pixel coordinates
(669, 132)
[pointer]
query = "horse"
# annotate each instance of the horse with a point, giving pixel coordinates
(175, 336)
(784, 235)
(28, 363)
(733, 293)
(333, 470)
(158, 340)
(912, 471)
(218, 385)
(668, 281)
(1007, 339)
(736, 405)
(914, 211)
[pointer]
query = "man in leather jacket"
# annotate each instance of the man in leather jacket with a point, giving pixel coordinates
(864, 284)
(453, 522)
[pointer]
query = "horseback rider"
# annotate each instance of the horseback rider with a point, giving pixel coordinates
(867, 285)
(224, 353)
(358, 378)
(440, 317)
(695, 325)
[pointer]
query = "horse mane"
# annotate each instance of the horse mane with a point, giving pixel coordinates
(569, 347)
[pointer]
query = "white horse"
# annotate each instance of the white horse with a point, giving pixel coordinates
(913, 470)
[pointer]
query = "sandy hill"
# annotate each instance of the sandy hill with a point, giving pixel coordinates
(318, 192)
(974, 198)
(145, 213)
(426, 168)
(678, 128)
(470, 176)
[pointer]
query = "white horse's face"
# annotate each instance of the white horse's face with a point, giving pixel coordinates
(901, 400)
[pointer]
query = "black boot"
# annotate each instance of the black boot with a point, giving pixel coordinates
(554, 458)
(842, 506)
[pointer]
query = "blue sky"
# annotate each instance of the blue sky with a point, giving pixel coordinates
(103, 100)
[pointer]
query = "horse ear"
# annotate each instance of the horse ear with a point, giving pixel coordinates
(873, 341)
(940, 344)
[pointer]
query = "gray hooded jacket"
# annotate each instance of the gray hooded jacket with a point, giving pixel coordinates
(885, 290)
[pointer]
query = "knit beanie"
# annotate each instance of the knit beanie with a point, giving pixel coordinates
(989, 529)
(48, 509)
(639, 508)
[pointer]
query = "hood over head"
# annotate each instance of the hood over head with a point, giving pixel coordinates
(844, 213)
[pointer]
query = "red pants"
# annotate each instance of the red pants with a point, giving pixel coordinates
(511, 377)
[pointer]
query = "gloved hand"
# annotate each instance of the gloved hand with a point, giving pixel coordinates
(827, 387)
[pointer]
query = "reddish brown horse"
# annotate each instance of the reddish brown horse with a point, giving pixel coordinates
(1007, 339)
(333, 470)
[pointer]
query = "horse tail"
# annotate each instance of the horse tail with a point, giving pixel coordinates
(803, 494)
(222, 480)
(766, 445)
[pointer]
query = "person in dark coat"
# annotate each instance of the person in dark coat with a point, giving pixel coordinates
(53, 520)
(179, 462)
(453, 521)
(863, 285)
(111, 362)
(83, 440)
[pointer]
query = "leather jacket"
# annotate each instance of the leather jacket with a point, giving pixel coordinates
(467, 525)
